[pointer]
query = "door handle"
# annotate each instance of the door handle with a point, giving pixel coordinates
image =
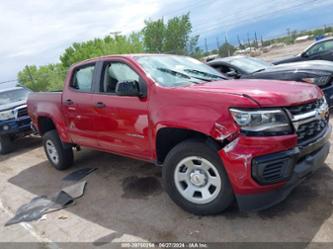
(100, 105)
(69, 102)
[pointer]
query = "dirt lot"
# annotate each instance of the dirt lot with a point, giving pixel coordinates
(124, 201)
(285, 52)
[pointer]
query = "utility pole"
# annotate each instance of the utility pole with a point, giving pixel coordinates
(248, 40)
(115, 33)
(256, 39)
(239, 42)
(226, 44)
(206, 45)
(262, 41)
(217, 42)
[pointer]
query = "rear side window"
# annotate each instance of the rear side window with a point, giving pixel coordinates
(83, 78)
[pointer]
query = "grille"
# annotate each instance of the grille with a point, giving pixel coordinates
(311, 126)
(296, 110)
(22, 112)
(310, 130)
(23, 122)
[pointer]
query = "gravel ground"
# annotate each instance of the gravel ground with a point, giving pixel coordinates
(285, 52)
(124, 201)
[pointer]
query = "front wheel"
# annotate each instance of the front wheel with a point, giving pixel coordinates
(60, 157)
(6, 144)
(194, 178)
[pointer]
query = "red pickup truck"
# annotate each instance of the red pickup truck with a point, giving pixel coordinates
(217, 140)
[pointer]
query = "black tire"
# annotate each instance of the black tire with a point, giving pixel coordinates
(200, 149)
(6, 144)
(64, 152)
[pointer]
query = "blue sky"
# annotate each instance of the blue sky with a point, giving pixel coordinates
(37, 31)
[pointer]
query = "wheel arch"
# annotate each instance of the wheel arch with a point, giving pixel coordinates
(45, 124)
(168, 137)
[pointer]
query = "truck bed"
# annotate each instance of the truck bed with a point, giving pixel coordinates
(44, 102)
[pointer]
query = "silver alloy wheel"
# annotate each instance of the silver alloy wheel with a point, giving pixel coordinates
(52, 151)
(197, 180)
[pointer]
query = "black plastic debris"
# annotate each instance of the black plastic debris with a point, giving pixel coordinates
(41, 205)
(33, 210)
(63, 199)
(78, 174)
(76, 190)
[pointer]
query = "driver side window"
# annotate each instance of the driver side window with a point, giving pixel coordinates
(320, 48)
(114, 73)
(224, 69)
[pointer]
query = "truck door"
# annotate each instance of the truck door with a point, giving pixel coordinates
(321, 51)
(327, 53)
(121, 121)
(78, 106)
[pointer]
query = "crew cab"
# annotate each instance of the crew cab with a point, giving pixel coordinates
(217, 140)
(14, 118)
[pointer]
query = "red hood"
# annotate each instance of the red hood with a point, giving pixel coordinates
(268, 93)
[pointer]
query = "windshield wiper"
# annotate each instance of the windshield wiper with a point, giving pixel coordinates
(210, 75)
(174, 73)
(259, 70)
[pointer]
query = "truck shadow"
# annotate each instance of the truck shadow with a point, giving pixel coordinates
(23, 145)
(127, 196)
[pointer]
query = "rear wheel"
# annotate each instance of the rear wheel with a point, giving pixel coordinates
(194, 177)
(60, 156)
(6, 144)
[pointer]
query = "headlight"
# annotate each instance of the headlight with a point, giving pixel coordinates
(262, 122)
(319, 81)
(7, 115)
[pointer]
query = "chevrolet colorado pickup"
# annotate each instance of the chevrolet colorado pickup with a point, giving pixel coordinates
(217, 140)
(14, 118)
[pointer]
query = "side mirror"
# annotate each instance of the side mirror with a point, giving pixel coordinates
(128, 88)
(304, 55)
(233, 74)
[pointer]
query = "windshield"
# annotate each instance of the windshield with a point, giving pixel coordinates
(173, 70)
(13, 96)
(249, 64)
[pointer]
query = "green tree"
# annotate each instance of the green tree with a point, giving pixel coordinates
(193, 49)
(44, 78)
(226, 50)
(119, 44)
(171, 37)
(154, 35)
(177, 35)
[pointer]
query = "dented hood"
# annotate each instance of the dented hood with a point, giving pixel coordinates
(267, 93)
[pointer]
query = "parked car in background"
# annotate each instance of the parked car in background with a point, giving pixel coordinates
(318, 72)
(320, 50)
(14, 118)
(216, 139)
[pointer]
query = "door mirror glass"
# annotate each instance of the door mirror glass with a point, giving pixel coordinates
(304, 54)
(232, 74)
(128, 88)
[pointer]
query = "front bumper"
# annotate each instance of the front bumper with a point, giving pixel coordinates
(253, 194)
(15, 126)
